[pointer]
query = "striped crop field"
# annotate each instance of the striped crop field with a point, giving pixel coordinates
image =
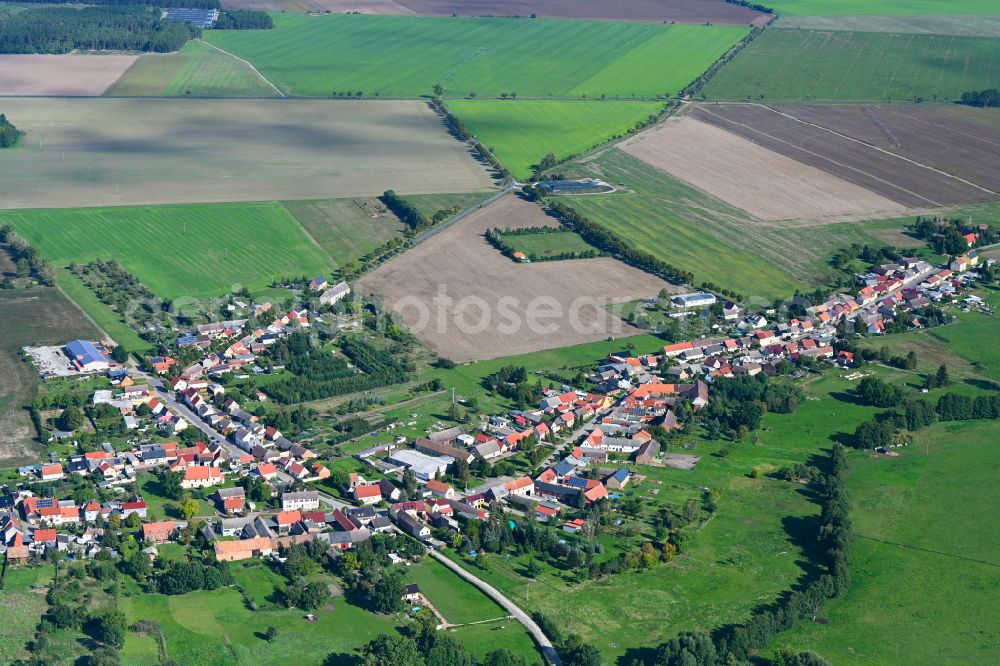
(406, 56)
(184, 250)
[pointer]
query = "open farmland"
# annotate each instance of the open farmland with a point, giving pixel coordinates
(39, 316)
(197, 70)
(766, 184)
(177, 251)
(900, 175)
(68, 75)
(400, 56)
(101, 152)
(964, 26)
(681, 11)
(521, 133)
(813, 64)
(493, 300)
(883, 7)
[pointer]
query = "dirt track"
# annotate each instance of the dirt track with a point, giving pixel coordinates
(880, 171)
(462, 265)
(61, 75)
(681, 11)
(764, 183)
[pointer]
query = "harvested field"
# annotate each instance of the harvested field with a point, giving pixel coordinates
(461, 265)
(40, 316)
(904, 179)
(101, 152)
(960, 141)
(764, 183)
(681, 11)
(61, 75)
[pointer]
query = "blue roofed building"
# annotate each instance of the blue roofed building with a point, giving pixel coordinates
(86, 357)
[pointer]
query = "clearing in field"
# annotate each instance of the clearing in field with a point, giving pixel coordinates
(682, 11)
(69, 75)
(841, 66)
(961, 26)
(197, 70)
(860, 145)
(116, 152)
(38, 316)
(405, 56)
(177, 251)
(499, 308)
(520, 133)
(767, 185)
(883, 7)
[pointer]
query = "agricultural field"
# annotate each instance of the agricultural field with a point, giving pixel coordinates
(845, 66)
(681, 11)
(117, 152)
(197, 70)
(960, 26)
(400, 56)
(883, 7)
(540, 306)
(895, 154)
(764, 183)
(521, 133)
(24, 604)
(69, 75)
(37, 316)
(179, 251)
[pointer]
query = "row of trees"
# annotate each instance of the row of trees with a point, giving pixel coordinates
(734, 644)
(407, 213)
(608, 242)
(422, 644)
(8, 133)
(884, 429)
(463, 133)
(62, 29)
(28, 260)
(989, 98)
(244, 20)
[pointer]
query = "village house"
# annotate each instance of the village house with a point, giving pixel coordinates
(230, 500)
(160, 532)
(300, 501)
(201, 476)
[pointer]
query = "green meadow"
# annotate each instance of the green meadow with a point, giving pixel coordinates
(520, 133)
(882, 7)
(197, 70)
(542, 245)
(179, 251)
(405, 56)
(814, 64)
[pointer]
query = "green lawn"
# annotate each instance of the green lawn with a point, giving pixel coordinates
(521, 133)
(883, 7)
(455, 599)
(813, 64)
(23, 608)
(109, 320)
(404, 56)
(179, 251)
(197, 70)
(542, 245)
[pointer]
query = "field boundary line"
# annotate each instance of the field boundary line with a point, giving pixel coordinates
(881, 150)
(927, 550)
(309, 236)
(247, 63)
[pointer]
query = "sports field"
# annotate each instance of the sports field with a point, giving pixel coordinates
(177, 251)
(883, 7)
(813, 64)
(521, 133)
(402, 56)
(197, 70)
(116, 152)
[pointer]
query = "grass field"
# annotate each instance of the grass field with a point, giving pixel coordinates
(521, 133)
(968, 26)
(23, 609)
(542, 245)
(812, 64)
(883, 7)
(401, 56)
(197, 70)
(117, 152)
(29, 317)
(107, 319)
(179, 251)
(456, 600)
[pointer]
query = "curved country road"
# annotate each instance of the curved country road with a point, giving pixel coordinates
(548, 650)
